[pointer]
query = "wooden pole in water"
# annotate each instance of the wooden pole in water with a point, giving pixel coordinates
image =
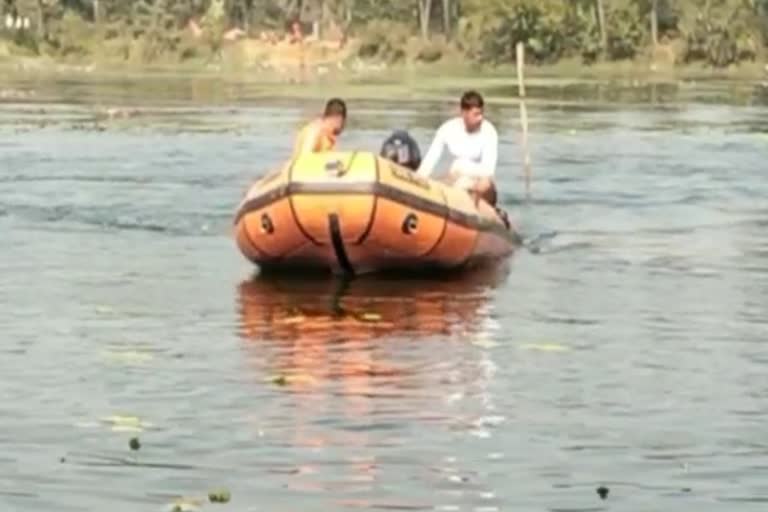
(523, 118)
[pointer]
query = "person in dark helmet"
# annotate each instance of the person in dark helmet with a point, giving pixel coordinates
(402, 149)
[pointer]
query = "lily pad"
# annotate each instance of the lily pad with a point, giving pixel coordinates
(127, 356)
(219, 496)
(285, 380)
(126, 423)
(186, 505)
(545, 347)
(292, 320)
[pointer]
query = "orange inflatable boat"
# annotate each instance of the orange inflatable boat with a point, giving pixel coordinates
(356, 212)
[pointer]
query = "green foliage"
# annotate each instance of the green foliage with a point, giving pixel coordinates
(25, 44)
(366, 11)
(494, 27)
(626, 32)
(430, 52)
(722, 32)
(73, 36)
(716, 32)
(384, 40)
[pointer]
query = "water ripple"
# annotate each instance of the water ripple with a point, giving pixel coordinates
(624, 349)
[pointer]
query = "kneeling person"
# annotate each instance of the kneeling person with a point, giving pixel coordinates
(472, 142)
(320, 134)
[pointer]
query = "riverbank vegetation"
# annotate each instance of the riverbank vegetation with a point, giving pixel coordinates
(338, 34)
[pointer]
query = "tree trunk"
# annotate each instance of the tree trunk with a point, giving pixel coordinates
(96, 12)
(247, 16)
(447, 18)
(349, 6)
(292, 8)
(655, 22)
(601, 23)
(425, 9)
(325, 18)
(40, 20)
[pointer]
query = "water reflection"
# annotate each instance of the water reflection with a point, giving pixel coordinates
(631, 354)
(367, 338)
(361, 362)
(318, 311)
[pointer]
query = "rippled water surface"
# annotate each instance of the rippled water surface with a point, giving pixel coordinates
(625, 349)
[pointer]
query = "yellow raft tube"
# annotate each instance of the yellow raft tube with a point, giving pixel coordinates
(356, 212)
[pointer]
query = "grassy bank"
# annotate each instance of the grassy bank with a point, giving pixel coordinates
(356, 70)
(250, 59)
(249, 70)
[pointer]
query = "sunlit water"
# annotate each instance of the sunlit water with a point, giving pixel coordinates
(625, 349)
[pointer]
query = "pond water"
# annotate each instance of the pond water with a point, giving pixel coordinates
(628, 350)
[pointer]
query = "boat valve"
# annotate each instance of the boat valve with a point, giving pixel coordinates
(410, 224)
(266, 224)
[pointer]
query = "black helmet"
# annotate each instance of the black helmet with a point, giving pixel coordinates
(402, 149)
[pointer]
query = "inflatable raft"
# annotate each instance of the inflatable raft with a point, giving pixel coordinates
(356, 212)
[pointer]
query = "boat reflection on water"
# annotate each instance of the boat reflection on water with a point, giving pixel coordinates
(294, 308)
(352, 365)
(325, 328)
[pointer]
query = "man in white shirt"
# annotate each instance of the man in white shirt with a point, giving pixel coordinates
(473, 144)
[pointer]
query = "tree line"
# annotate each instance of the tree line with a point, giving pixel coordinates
(716, 32)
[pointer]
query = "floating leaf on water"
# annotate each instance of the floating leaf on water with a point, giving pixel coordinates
(134, 444)
(126, 423)
(126, 429)
(219, 496)
(301, 379)
(545, 347)
(484, 343)
(293, 320)
(87, 424)
(284, 380)
(127, 356)
(123, 420)
(186, 505)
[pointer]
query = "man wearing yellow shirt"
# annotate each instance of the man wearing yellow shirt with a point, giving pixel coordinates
(320, 134)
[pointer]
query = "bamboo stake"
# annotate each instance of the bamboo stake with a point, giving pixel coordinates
(524, 119)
